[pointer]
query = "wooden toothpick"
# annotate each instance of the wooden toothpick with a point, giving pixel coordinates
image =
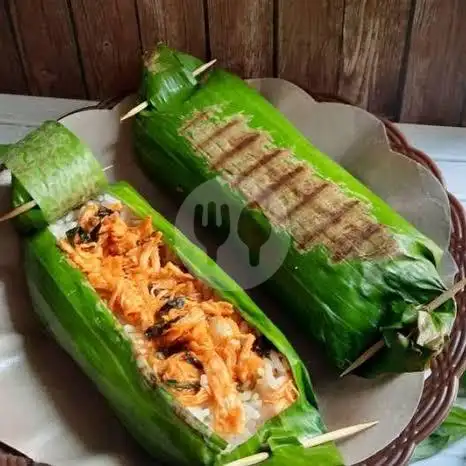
(338, 434)
(309, 443)
(18, 211)
(135, 110)
(249, 460)
(445, 296)
(204, 67)
(28, 206)
(436, 303)
(139, 108)
(372, 351)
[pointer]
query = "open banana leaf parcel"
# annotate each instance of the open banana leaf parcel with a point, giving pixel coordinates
(193, 368)
(355, 271)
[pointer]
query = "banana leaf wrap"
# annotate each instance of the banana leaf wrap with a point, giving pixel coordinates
(89, 332)
(54, 168)
(346, 305)
(3, 149)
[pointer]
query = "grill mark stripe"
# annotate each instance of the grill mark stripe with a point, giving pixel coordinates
(217, 133)
(235, 150)
(259, 164)
(287, 177)
(309, 197)
(198, 117)
(331, 221)
(386, 247)
(343, 247)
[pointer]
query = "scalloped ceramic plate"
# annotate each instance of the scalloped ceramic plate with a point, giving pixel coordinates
(54, 414)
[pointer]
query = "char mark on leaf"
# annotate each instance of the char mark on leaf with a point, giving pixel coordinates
(277, 185)
(308, 198)
(218, 133)
(332, 220)
(346, 245)
(262, 162)
(243, 144)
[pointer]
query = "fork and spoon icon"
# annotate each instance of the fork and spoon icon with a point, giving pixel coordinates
(239, 239)
(213, 220)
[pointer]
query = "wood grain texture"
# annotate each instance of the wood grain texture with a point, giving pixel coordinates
(397, 58)
(374, 39)
(309, 43)
(108, 39)
(241, 35)
(47, 47)
(12, 78)
(178, 23)
(434, 89)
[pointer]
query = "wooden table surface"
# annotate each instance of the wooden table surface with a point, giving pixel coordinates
(445, 145)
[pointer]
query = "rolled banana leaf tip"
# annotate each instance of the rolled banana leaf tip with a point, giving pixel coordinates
(54, 168)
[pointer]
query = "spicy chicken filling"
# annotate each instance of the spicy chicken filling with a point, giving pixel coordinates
(197, 345)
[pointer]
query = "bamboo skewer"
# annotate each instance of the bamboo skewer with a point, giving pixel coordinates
(18, 211)
(139, 108)
(204, 67)
(338, 434)
(28, 206)
(135, 110)
(312, 442)
(437, 302)
(249, 460)
(444, 297)
(372, 351)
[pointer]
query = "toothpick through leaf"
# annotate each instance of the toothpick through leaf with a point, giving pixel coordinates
(139, 108)
(434, 304)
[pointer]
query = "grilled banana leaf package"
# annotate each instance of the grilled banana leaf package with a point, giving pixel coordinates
(197, 375)
(355, 270)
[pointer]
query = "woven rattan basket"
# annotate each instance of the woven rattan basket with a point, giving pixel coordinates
(441, 388)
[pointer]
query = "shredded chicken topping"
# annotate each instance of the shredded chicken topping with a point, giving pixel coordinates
(199, 346)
